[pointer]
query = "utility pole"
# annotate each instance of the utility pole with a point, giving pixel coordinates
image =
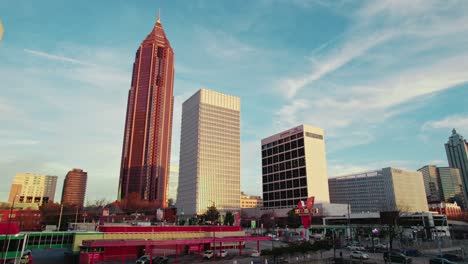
(60, 218)
(76, 217)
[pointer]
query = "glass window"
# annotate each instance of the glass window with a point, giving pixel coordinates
(287, 146)
(275, 150)
(300, 142)
(302, 162)
(290, 194)
(275, 159)
(283, 185)
(280, 148)
(300, 152)
(289, 184)
(293, 144)
(295, 163)
(281, 157)
(293, 154)
(302, 172)
(296, 183)
(282, 175)
(264, 153)
(287, 156)
(270, 152)
(295, 173)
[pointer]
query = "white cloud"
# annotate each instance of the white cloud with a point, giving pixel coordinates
(56, 57)
(459, 122)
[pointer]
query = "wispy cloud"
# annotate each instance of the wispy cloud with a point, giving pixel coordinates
(459, 122)
(50, 56)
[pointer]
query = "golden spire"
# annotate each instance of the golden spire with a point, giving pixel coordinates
(159, 16)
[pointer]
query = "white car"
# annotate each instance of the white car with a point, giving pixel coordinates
(255, 254)
(208, 254)
(223, 253)
(359, 255)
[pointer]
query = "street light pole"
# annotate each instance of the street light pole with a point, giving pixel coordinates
(60, 218)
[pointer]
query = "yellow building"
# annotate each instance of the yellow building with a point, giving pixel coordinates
(33, 188)
(209, 164)
(1, 30)
(250, 201)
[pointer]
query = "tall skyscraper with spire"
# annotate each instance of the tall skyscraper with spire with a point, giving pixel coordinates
(457, 156)
(148, 127)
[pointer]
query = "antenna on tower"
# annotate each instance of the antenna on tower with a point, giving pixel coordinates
(159, 15)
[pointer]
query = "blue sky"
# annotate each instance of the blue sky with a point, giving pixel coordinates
(387, 80)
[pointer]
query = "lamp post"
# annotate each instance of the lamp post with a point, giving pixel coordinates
(5, 246)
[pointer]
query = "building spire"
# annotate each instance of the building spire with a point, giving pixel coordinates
(159, 16)
(454, 131)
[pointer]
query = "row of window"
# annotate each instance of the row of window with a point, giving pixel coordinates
(296, 183)
(284, 175)
(283, 156)
(281, 141)
(282, 148)
(287, 165)
(291, 202)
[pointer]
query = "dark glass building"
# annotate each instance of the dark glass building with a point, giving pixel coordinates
(457, 156)
(74, 187)
(147, 139)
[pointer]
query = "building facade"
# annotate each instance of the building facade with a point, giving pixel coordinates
(294, 167)
(33, 188)
(451, 210)
(146, 148)
(74, 187)
(443, 184)
(250, 201)
(457, 156)
(173, 184)
(209, 161)
(387, 189)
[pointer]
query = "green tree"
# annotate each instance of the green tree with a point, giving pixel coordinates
(229, 218)
(212, 214)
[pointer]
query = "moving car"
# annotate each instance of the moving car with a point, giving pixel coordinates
(255, 254)
(359, 255)
(440, 261)
(451, 257)
(223, 253)
(208, 254)
(396, 257)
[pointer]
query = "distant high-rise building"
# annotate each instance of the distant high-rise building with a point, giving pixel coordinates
(173, 184)
(443, 184)
(147, 139)
(250, 201)
(1, 30)
(457, 156)
(33, 188)
(387, 189)
(74, 187)
(209, 153)
(294, 167)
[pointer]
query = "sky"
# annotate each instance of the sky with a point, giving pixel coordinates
(387, 80)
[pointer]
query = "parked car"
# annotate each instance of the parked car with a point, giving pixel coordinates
(255, 254)
(156, 260)
(223, 253)
(440, 261)
(359, 255)
(396, 257)
(356, 247)
(208, 254)
(451, 257)
(161, 260)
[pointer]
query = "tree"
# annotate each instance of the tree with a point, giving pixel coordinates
(212, 214)
(268, 220)
(294, 220)
(229, 218)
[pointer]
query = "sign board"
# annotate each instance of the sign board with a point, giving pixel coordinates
(253, 224)
(105, 212)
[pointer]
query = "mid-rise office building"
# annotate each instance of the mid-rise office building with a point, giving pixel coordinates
(209, 165)
(250, 201)
(387, 189)
(457, 156)
(173, 185)
(33, 188)
(74, 187)
(146, 148)
(294, 167)
(443, 184)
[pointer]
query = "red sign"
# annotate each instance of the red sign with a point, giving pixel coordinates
(105, 212)
(310, 202)
(305, 210)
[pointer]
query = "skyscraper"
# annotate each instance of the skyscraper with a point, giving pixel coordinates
(74, 187)
(443, 184)
(147, 138)
(294, 167)
(33, 188)
(209, 153)
(457, 156)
